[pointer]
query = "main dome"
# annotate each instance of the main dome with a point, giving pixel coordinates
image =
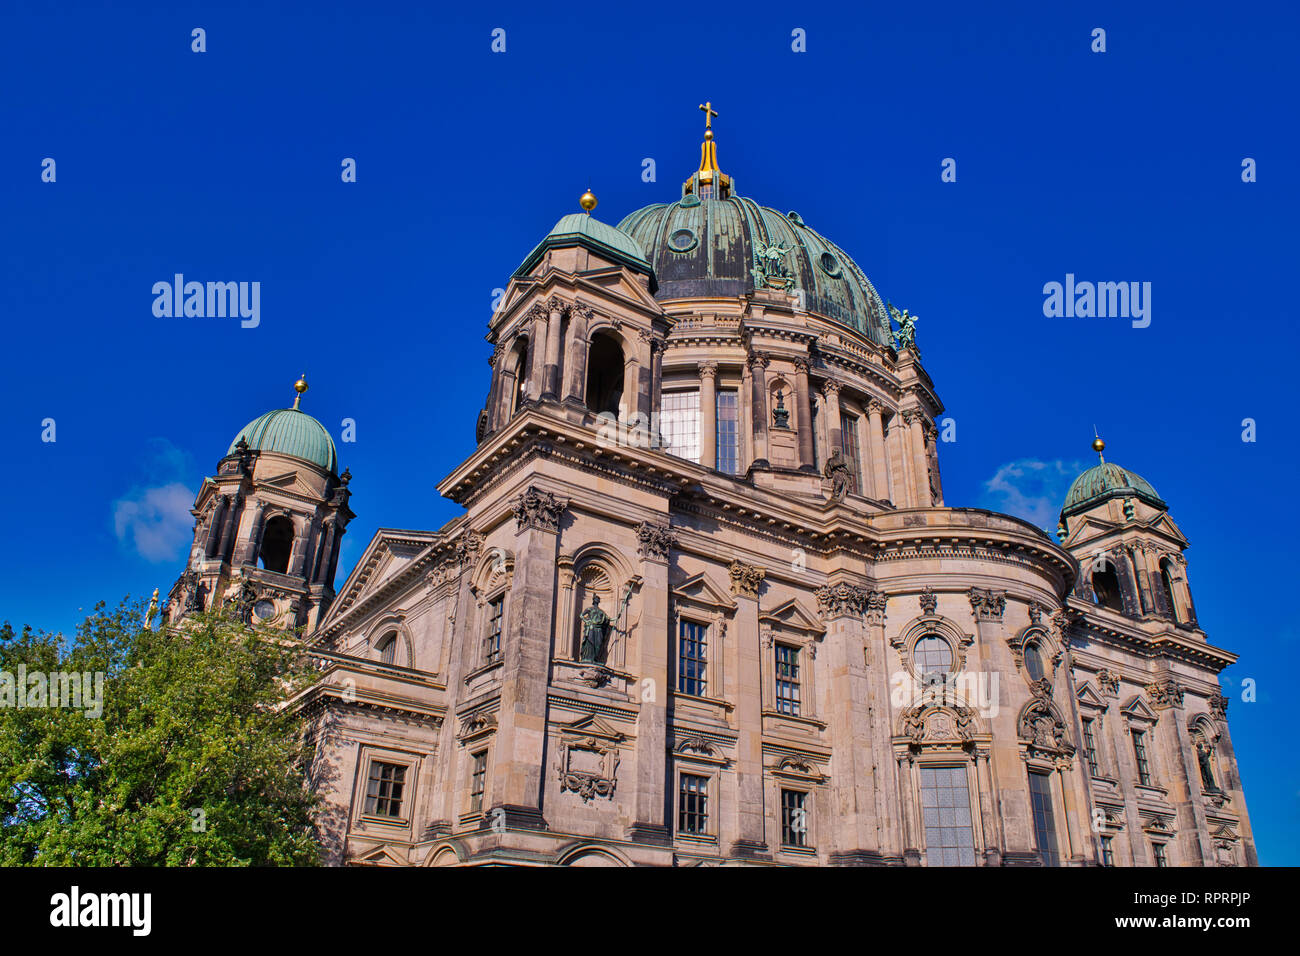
(704, 246)
(288, 431)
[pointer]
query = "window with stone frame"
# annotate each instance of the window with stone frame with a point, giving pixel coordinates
(1090, 747)
(728, 442)
(787, 679)
(794, 818)
(384, 789)
(679, 423)
(1159, 853)
(492, 630)
(946, 816)
(477, 779)
(1040, 800)
(692, 658)
(387, 648)
(849, 446)
(1140, 756)
(693, 804)
(932, 658)
(1107, 851)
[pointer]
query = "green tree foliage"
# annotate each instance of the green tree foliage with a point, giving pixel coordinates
(195, 760)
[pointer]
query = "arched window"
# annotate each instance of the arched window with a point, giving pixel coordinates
(932, 657)
(1105, 587)
(1034, 661)
(604, 374)
(277, 544)
(1167, 585)
(387, 648)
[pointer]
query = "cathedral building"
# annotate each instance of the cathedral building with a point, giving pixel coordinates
(706, 604)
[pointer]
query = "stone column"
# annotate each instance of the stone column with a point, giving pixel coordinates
(575, 355)
(334, 556)
(214, 526)
(1074, 851)
(745, 414)
(326, 550)
(538, 316)
(932, 458)
(302, 536)
(1167, 695)
(708, 414)
(803, 417)
(551, 369)
(746, 580)
(854, 746)
(831, 392)
(644, 374)
(920, 462)
(248, 547)
(888, 838)
(1121, 739)
(230, 525)
(526, 656)
(1143, 574)
(896, 442)
(656, 374)
(879, 460)
(989, 812)
(494, 390)
(758, 369)
(650, 823)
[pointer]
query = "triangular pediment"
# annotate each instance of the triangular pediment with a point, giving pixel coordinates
(1137, 707)
(1089, 697)
(288, 481)
(381, 856)
(389, 554)
(793, 615)
(589, 725)
(701, 590)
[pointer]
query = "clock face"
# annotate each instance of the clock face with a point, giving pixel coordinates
(263, 609)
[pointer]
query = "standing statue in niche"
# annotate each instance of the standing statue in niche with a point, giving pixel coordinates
(595, 632)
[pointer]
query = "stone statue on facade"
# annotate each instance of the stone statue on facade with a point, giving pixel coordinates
(840, 473)
(595, 632)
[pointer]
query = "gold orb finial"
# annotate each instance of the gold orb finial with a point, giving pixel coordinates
(1098, 445)
(588, 201)
(299, 386)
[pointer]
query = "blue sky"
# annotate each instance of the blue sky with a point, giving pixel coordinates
(225, 165)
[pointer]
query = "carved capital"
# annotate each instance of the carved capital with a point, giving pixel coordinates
(1108, 681)
(874, 407)
(875, 610)
(831, 389)
(758, 360)
(745, 579)
(1218, 706)
(987, 605)
(1166, 693)
(655, 541)
(708, 369)
(538, 509)
(838, 600)
(929, 601)
(801, 366)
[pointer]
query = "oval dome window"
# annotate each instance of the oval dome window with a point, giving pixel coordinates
(683, 240)
(830, 265)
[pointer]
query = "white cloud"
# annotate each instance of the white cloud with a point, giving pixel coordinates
(1031, 489)
(156, 522)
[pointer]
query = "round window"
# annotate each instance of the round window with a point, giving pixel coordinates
(829, 264)
(932, 657)
(1034, 662)
(690, 200)
(683, 240)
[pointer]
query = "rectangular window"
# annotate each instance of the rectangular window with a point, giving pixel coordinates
(679, 423)
(693, 804)
(1140, 755)
(794, 818)
(1040, 798)
(728, 432)
(1090, 748)
(849, 446)
(1107, 852)
(787, 680)
(1158, 850)
(477, 781)
(492, 639)
(945, 808)
(692, 656)
(384, 789)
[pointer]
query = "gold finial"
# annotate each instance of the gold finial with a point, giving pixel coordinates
(712, 180)
(299, 386)
(588, 201)
(1098, 445)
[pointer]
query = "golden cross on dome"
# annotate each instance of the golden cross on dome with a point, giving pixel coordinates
(709, 113)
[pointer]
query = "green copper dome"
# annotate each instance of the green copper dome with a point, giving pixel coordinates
(711, 245)
(581, 228)
(287, 431)
(1108, 480)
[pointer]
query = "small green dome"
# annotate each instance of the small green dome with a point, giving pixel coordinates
(584, 229)
(1108, 480)
(287, 431)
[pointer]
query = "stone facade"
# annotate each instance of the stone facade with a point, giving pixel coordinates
(803, 664)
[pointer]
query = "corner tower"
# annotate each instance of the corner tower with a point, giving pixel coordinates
(269, 524)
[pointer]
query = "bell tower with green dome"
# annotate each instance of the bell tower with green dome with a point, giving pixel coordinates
(269, 524)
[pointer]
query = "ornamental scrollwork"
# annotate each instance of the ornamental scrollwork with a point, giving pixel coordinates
(839, 599)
